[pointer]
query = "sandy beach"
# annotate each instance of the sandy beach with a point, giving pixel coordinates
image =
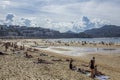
(15, 66)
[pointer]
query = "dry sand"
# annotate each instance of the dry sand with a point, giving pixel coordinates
(17, 67)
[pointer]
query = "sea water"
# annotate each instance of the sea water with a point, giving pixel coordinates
(96, 40)
(79, 51)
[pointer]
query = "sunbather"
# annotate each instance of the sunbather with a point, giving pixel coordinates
(27, 55)
(43, 61)
(98, 73)
(40, 60)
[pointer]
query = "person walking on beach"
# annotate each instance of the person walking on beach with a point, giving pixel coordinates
(92, 67)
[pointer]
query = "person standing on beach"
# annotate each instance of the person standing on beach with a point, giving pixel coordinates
(6, 46)
(70, 65)
(92, 67)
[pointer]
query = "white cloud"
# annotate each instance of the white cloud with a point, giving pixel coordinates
(79, 25)
(9, 19)
(76, 26)
(26, 22)
(4, 3)
(58, 14)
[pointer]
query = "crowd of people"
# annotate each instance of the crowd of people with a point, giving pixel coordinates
(93, 67)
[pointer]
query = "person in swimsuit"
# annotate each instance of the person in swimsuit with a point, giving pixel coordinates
(92, 67)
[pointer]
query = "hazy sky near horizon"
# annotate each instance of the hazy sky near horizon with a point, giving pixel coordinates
(61, 15)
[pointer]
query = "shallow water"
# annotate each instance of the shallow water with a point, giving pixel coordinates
(79, 51)
(107, 40)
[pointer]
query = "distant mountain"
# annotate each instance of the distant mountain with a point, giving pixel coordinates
(105, 31)
(36, 32)
(71, 32)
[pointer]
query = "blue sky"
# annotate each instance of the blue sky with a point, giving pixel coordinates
(62, 15)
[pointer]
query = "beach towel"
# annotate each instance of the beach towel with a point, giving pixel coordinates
(102, 77)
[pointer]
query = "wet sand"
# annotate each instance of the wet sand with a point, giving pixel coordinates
(18, 67)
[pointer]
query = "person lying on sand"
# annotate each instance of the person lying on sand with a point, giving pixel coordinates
(43, 61)
(85, 65)
(40, 60)
(12, 51)
(56, 59)
(28, 55)
(35, 50)
(83, 71)
(42, 54)
(98, 73)
(1, 53)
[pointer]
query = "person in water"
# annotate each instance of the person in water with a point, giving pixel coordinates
(92, 67)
